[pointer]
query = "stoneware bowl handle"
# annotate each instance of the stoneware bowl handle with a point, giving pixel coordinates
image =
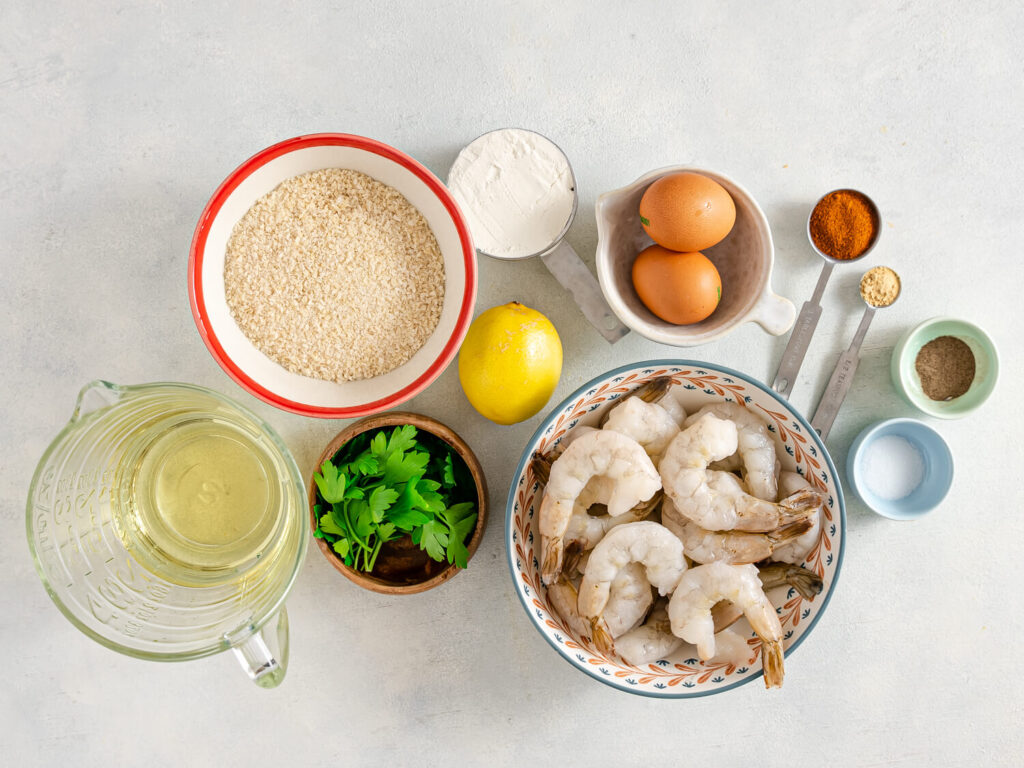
(774, 313)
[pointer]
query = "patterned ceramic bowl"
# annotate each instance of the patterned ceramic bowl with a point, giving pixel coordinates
(697, 384)
(744, 260)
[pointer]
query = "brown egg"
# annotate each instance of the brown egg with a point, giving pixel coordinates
(687, 212)
(680, 288)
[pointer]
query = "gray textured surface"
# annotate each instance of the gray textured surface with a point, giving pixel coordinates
(118, 121)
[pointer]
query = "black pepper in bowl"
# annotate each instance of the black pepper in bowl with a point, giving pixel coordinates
(946, 368)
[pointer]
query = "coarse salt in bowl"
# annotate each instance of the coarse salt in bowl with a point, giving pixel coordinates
(265, 378)
(900, 468)
(681, 674)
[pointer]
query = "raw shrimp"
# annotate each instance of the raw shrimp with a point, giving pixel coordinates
(735, 547)
(578, 432)
(628, 602)
(563, 596)
(658, 391)
(732, 648)
(650, 544)
(806, 582)
(796, 550)
(647, 423)
(714, 500)
(652, 640)
(629, 599)
(756, 449)
(595, 454)
(700, 588)
(585, 529)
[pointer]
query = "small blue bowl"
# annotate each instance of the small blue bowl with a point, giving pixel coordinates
(938, 469)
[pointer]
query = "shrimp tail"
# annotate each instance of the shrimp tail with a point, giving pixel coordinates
(541, 466)
(571, 554)
(800, 506)
(805, 581)
(552, 554)
(645, 509)
(651, 392)
(724, 614)
(790, 530)
(774, 669)
(602, 636)
(654, 390)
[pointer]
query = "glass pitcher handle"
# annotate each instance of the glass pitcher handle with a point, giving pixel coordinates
(264, 655)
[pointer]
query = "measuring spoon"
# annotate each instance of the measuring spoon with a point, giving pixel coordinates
(565, 264)
(807, 321)
(842, 377)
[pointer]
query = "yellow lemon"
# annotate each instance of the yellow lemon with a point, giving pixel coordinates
(510, 362)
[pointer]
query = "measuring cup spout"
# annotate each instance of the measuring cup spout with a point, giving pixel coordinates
(96, 395)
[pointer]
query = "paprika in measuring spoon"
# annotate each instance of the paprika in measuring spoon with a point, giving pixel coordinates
(844, 224)
(842, 227)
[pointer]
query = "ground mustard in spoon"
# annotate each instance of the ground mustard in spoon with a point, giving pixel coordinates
(880, 287)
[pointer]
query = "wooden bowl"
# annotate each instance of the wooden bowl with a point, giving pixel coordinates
(413, 570)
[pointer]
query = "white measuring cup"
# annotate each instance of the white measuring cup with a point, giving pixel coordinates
(561, 259)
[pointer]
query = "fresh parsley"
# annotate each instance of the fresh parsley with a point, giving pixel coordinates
(380, 487)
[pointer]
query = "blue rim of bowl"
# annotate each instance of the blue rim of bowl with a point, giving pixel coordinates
(868, 434)
(676, 363)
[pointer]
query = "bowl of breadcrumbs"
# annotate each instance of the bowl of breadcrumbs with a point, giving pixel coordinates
(332, 275)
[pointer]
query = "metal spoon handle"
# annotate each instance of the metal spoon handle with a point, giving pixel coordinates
(568, 268)
(841, 379)
(800, 338)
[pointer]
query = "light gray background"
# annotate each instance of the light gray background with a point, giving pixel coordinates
(118, 120)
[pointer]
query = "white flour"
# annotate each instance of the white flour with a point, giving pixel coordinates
(516, 189)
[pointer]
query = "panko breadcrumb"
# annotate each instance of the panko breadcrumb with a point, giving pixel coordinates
(335, 276)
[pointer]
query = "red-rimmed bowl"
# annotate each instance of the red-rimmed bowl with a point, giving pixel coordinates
(256, 372)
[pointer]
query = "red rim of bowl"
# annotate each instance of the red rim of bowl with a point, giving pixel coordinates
(198, 302)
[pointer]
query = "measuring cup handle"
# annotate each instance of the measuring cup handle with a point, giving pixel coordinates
(264, 654)
(774, 313)
(568, 268)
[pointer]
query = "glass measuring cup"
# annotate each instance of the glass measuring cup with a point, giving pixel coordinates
(810, 312)
(165, 522)
(558, 256)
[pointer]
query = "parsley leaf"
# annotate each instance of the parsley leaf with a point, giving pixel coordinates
(383, 485)
(402, 439)
(331, 483)
(433, 538)
(448, 472)
(398, 467)
(380, 500)
(327, 525)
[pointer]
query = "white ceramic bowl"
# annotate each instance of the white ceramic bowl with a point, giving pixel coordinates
(681, 675)
(744, 261)
(263, 377)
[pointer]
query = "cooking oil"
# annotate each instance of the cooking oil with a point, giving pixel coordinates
(204, 502)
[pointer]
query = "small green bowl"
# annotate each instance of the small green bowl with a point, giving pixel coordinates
(908, 383)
